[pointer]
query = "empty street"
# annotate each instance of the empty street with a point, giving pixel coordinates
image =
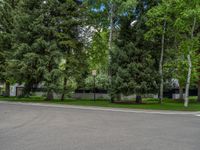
(56, 127)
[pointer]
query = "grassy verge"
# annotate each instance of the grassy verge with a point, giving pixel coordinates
(152, 104)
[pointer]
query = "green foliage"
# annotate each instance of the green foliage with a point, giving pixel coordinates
(101, 81)
(98, 52)
(37, 53)
(44, 42)
(179, 16)
(4, 35)
(132, 63)
(73, 64)
(47, 33)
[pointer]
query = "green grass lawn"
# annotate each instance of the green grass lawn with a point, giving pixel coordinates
(150, 103)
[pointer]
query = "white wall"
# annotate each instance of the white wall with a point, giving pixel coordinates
(13, 89)
(177, 96)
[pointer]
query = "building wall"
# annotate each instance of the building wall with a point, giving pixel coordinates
(13, 89)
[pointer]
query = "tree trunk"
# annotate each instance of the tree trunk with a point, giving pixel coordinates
(181, 98)
(111, 30)
(27, 89)
(198, 91)
(198, 99)
(7, 91)
(161, 64)
(138, 99)
(112, 97)
(49, 95)
(188, 81)
(64, 89)
(189, 67)
(119, 97)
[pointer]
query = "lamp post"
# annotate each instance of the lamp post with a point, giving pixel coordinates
(94, 73)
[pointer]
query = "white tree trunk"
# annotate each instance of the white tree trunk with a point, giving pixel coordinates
(199, 90)
(161, 63)
(186, 101)
(111, 16)
(111, 31)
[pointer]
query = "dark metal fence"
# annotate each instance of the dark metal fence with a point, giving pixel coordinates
(169, 93)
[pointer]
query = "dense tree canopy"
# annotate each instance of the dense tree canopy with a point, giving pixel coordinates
(137, 46)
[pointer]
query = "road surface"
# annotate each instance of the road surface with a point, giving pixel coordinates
(50, 127)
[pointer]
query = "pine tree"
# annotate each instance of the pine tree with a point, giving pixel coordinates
(7, 14)
(133, 67)
(37, 53)
(71, 22)
(47, 33)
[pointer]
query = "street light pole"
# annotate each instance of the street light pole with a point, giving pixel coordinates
(94, 73)
(94, 88)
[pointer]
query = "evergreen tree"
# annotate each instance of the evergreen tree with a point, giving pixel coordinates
(70, 41)
(48, 32)
(37, 52)
(7, 14)
(132, 64)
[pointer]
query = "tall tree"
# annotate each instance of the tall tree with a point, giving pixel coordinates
(7, 14)
(198, 86)
(113, 9)
(181, 18)
(132, 63)
(187, 23)
(70, 41)
(48, 34)
(198, 99)
(37, 53)
(158, 22)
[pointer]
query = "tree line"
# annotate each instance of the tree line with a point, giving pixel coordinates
(137, 46)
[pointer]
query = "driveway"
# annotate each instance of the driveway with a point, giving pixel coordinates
(56, 127)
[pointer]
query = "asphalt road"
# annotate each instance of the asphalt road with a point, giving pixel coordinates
(29, 127)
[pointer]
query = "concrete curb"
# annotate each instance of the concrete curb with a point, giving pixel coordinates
(96, 108)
